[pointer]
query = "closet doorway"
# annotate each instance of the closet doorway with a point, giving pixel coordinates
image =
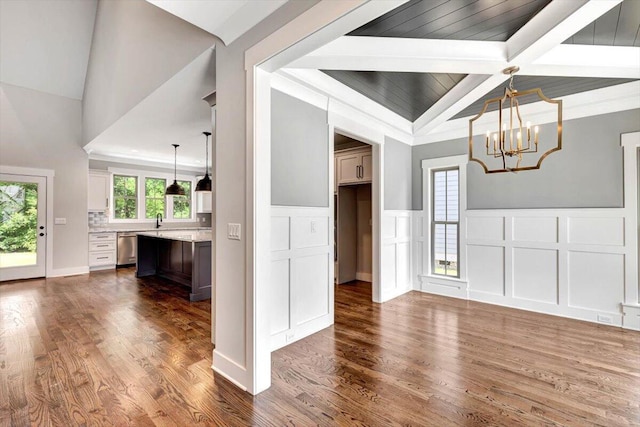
(352, 210)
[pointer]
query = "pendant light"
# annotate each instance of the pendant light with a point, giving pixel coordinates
(205, 183)
(174, 189)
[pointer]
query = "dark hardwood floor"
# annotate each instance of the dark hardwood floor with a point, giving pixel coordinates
(109, 349)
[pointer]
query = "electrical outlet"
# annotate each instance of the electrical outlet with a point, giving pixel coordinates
(233, 231)
(313, 227)
(289, 336)
(603, 318)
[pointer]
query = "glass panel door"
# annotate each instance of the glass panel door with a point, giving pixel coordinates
(22, 226)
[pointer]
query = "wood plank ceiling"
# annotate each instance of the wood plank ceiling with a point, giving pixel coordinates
(411, 94)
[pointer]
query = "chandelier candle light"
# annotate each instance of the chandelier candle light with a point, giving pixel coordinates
(513, 137)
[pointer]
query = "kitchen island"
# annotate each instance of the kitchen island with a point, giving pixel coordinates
(180, 256)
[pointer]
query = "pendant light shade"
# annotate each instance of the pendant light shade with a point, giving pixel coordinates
(174, 189)
(205, 183)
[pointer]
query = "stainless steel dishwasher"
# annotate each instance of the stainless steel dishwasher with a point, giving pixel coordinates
(127, 248)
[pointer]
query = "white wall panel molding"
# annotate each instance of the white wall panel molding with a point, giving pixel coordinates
(567, 262)
(631, 148)
(301, 297)
(397, 251)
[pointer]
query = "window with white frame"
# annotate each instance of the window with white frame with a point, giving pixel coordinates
(154, 189)
(445, 227)
(125, 197)
(139, 196)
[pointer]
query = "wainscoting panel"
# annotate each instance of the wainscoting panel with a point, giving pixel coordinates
(535, 229)
(280, 296)
(566, 262)
(485, 228)
(596, 231)
(486, 269)
(592, 281)
(301, 272)
(397, 254)
(535, 275)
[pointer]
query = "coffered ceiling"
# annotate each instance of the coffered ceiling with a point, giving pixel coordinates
(428, 62)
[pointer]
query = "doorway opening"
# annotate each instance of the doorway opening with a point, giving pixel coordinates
(353, 254)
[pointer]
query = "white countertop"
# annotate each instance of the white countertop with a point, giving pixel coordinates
(184, 235)
(143, 228)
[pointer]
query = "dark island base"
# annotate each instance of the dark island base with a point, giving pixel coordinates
(185, 263)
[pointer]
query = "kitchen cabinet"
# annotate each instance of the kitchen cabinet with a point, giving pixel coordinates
(98, 197)
(203, 201)
(353, 166)
(102, 251)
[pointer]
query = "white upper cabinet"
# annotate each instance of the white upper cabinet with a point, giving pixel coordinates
(203, 201)
(353, 166)
(98, 197)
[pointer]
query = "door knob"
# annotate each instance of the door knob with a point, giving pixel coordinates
(41, 234)
(42, 227)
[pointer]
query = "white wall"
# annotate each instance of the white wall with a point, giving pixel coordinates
(301, 294)
(567, 262)
(234, 355)
(43, 131)
(136, 48)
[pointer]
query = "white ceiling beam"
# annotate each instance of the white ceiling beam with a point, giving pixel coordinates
(459, 97)
(407, 55)
(587, 61)
(394, 54)
(558, 21)
(397, 126)
(308, 34)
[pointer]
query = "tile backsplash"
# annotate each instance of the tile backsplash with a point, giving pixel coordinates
(101, 219)
(97, 219)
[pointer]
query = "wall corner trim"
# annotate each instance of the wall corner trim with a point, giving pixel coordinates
(631, 316)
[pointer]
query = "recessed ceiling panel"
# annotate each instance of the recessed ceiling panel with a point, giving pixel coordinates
(552, 87)
(618, 27)
(407, 94)
(489, 20)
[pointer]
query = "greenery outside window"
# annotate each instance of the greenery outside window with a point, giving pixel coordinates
(154, 189)
(182, 204)
(125, 197)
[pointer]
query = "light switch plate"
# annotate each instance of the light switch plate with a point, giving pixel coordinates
(233, 231)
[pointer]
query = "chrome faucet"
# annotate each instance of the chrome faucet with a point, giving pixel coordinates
(158, 220)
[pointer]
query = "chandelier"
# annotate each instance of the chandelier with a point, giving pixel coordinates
(508, 141)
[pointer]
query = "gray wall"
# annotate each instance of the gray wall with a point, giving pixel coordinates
(136, 47)
(453, 147)
(397, 175)
(299, 153)
(40, 130)
(586, 173)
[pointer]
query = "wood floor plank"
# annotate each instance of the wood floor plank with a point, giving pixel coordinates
(108, 349)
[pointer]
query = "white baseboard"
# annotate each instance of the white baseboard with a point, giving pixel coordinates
(229, 369)
(73, 271)
(365, 277)
(631, 316)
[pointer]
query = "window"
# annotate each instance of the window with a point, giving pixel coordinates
(445, 222)
(138, 196)
(154, 189)
(182, 204)
(125, 197)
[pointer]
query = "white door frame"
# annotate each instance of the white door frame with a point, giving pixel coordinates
(48, 174)
(631, 306)
(343, 126)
